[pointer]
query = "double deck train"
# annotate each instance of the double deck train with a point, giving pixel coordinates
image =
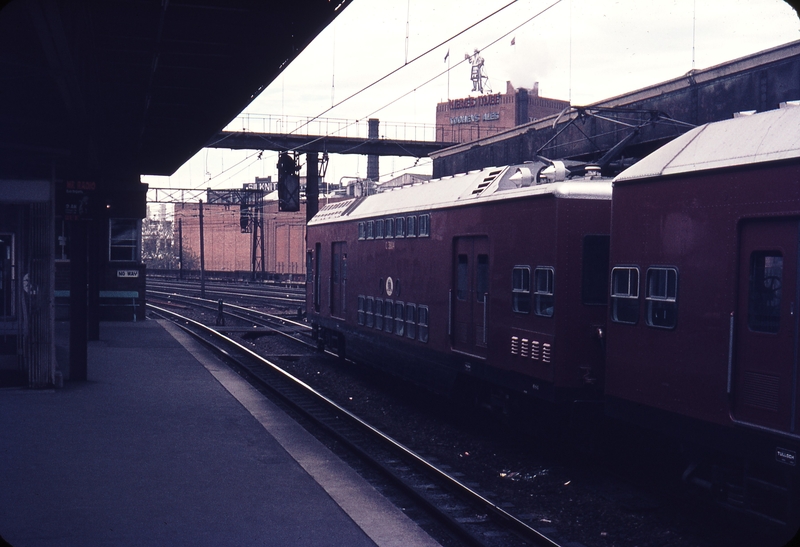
(675, 304)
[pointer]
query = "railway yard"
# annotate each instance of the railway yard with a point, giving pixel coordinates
(465, 474)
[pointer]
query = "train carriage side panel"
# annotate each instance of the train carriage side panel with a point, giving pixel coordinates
(402, 283)
(581, 295)
(699, 332)
(525, 235)
(675, 357)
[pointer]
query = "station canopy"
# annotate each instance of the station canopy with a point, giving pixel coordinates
(120, 88)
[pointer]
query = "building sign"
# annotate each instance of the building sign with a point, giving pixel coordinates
(475, 118)
(472, 102)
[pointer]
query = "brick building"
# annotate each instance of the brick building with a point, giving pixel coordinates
(228, 249)
(472, 118)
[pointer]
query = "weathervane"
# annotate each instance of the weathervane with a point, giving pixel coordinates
(476, 74)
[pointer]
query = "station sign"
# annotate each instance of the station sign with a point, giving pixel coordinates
(77, 197)
(127, 273)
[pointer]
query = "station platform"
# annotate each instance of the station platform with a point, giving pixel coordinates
(165, 445)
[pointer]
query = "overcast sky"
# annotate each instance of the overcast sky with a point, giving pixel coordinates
(583, 51)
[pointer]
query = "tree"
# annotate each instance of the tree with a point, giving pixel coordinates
(158, 244)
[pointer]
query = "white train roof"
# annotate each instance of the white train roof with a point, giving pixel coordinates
(767, 136)
(484, 185)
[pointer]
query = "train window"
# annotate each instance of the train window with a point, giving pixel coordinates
(362, 231)
(521, 289)
(123, 240)
(482, 278)
(625, 295)
(369, 311)
(594, 275)
(422, 323)
(543, 280)
(388, 317)
(360, 310)
(399, 227)
(424, 225)
(411, 226)
(661, 297)
(461, 277)
(411, 318)
(370, 229)
(389, 228)
(764, 300)
(399, 318)
(379, 229)
(379, 314)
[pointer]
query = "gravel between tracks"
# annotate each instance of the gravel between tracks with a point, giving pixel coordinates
(581, 488)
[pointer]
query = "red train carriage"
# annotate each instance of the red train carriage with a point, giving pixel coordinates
(704, 301)
(490, 277)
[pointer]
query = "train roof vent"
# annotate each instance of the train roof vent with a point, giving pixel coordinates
(486, 181)
(333, 210)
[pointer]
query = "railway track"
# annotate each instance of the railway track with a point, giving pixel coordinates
(525, 475)
(466, 514)
(253, 319)
(284, 297)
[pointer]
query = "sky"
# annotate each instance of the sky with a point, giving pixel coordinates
(583, 51)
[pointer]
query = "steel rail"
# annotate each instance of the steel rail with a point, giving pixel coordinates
(524, 530)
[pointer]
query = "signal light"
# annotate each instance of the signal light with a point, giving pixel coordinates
(288, 183)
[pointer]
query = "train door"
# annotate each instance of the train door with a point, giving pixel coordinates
(469, 295)
(338, 278)
(765, 376)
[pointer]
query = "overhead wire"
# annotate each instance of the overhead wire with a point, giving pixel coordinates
(462, 61)
(396, 70)
(407, 63)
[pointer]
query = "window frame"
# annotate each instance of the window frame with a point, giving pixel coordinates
(757, 320)
(619, 298)
(369, 311)
(388, 316)
(521, 294)
(399, 317)
(424, 225)
(400, 227)
(411, 226)
(423, 331)
(544, 298)
(411, 321)
(127, 245)
(360, 314)
(656, 303)
(379, 314)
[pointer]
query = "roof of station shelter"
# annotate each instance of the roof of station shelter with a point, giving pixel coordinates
(99, 88)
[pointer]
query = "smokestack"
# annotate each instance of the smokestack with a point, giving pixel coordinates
(373, 170)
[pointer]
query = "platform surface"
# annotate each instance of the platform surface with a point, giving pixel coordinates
(165, 445)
